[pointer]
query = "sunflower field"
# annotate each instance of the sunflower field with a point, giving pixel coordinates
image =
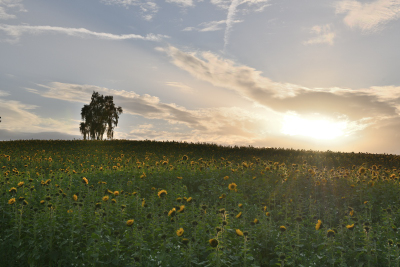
(147, 203)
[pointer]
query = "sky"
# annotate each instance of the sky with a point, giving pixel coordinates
(301, 74)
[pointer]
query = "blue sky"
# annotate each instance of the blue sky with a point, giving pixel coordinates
(290, 73)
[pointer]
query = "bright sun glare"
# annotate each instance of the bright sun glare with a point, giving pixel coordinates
(314, 128)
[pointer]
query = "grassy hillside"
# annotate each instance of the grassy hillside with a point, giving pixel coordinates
(145, 203)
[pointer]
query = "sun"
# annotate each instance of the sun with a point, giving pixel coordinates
(322, 129)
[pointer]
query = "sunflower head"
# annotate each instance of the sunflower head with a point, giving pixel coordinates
(162, 193)
(232, 186)
(330, 233)
(129, 223)
(179, 232)
(172, 212)
(239, 233)
(11, 201)
(318, 225)
(213, 242)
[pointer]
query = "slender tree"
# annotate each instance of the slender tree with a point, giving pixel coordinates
(100, 116)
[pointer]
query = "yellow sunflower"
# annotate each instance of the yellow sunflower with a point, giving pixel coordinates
(232, 186)
(179, 232)
(162, 193)
(239, 233)
(11, 201)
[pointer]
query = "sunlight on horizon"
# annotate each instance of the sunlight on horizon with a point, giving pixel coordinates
(315, 128)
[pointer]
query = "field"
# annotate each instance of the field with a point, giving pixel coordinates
(146, 203)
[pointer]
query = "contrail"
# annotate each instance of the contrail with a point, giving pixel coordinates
(230, 21)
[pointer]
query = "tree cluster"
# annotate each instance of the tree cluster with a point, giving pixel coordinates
(99, 117)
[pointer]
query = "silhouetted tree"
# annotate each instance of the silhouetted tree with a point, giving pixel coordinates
(99, 116)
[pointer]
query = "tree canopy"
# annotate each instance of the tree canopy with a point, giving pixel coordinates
(99, 117)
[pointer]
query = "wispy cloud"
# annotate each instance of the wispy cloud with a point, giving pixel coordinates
(369, 17)
(146, 8)
(180, 86)
(324, 35)
(232, 10)
(229, 20)
(16, 31)
(10, 5)
(3, 93)
(210, 26)
(184, 3)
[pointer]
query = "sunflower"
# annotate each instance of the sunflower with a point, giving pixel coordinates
(256, 221)
(267, 214)
(11, 201)
(20, 184)
(222, 196)
(239, 233)
(181, 209)
(179, 232)
(185, 241)
(351, 213)
(85, 181)
(239, 215)
(282, 228)
(162, 193)
(350, 227)
(330, 233)
(75, 197)
(105, 198)
(240, 205)
(189, 199)
(129, 223)
(172, 212)
(13, 190)
(180, 178)
(116, 193)
(226, 178)
(318, 225)
(213, 242)
(232, 186)
(42, 201)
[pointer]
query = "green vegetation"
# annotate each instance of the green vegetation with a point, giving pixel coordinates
(144, 203)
